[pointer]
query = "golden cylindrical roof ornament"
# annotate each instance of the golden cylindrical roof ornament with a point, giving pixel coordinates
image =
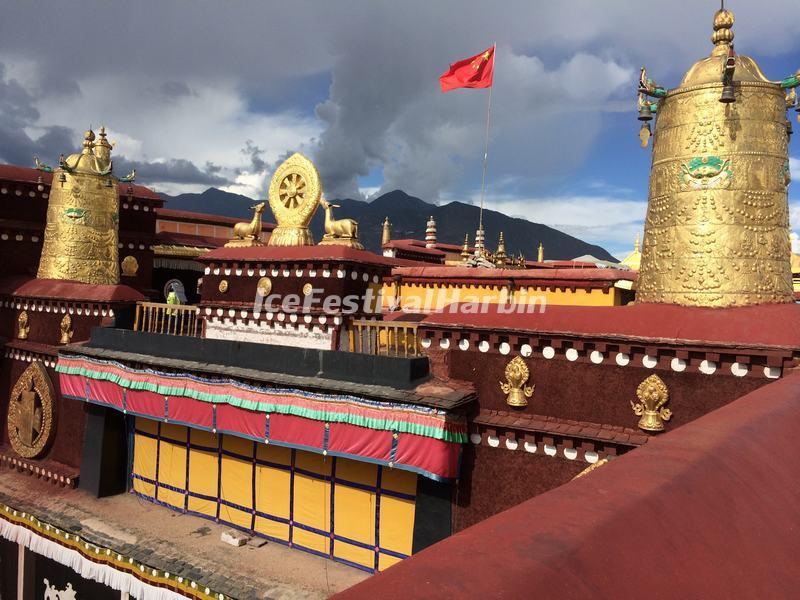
(717, 225)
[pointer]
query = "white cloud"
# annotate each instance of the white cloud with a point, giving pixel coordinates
(794, 167)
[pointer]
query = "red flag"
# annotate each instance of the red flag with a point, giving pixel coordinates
(473, 72)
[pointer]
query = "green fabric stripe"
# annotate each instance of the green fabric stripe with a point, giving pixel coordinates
(317, 415)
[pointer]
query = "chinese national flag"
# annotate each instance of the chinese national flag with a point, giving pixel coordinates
(473, 72)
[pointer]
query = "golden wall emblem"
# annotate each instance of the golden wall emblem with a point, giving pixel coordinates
(66, 330)
(653, 395)
(294, 194)
(264, 286)
(22, 326)
(130, 266)
(223, 286)
(517, 375)
(307, 289)
(31, 412)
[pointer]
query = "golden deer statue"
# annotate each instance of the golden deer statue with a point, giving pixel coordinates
(248, 234)
(339, 231)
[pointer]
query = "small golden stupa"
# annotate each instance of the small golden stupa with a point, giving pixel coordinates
(717, 226)
(81, 235)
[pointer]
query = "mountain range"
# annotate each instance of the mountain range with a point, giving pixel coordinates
(409, 216)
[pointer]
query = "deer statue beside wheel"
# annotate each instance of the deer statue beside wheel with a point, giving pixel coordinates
(248, 234)
(339, 231)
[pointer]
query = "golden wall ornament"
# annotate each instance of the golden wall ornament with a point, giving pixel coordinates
(517, 374)
(248, 233)
(264, 286)
(717, 224)
(223, 286)
(307, 289)
(130, 266)
(22, 326)
(66, 330)
(294, 194)
(653, 395)
(339, 232)
(81, 234)
(31, 412)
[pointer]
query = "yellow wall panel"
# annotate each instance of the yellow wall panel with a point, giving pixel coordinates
(385, 561)
(354, 513)
(314, 541)
(273, 529)
(396, 480)
(237, 445)
(172, 472)
(272, 491)
(235, 516)
(356, 471)
(274, 454)
(354, 554)
(144, 457)
(312, 502)
(397, 524)
(237, 481)
(315, 463)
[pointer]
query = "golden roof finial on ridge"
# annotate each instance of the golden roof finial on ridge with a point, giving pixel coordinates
(723, 23)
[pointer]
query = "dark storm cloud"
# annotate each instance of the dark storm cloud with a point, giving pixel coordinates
(176, 170)
(255, 154)
(172, 90)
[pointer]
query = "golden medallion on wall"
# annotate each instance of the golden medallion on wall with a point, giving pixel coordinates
(130, 266)
(294, 194)
(223, 286)
(307, 289)
(31, 412)
(517, 374)
(264, 286)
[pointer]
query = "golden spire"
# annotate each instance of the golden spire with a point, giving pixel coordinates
(465, 248)
(387, 232)
(723, 34)
(500, 255)
(540, 257)
(636, 243)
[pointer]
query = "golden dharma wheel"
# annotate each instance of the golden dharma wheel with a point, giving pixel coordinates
(294, 195)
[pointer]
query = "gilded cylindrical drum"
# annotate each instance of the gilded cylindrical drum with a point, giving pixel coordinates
(717, 225)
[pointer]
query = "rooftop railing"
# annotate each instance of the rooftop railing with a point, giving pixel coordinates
(172, 319)
(389, 338)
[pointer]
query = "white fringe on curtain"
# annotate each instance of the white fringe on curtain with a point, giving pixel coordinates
(117, 580)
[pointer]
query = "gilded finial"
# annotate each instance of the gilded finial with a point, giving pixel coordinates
(387, 232)
(637, 243)
(723, 22)
(653, 395)
(500, 255)
(540, 256)
(465, 248)
(517, 374)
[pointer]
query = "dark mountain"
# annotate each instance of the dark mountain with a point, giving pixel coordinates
(409, 216)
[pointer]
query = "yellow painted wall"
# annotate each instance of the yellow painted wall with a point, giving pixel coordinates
(351, 511)
(437, 297)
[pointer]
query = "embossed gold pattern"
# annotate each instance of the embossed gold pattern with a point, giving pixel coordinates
(294, 194)
(81, 235)
(653, 395)
(517, 374)
(264, 286)
(66, 330)
(22, 326)
(717, 225)
(31, 412)
(223, 286)
(130, 266)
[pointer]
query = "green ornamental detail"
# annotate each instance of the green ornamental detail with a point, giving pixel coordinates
(705, 172)
(75, 215)
(785, 175)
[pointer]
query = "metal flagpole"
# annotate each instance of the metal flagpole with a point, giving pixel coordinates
(480, 246)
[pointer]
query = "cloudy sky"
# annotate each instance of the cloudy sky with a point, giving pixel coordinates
(200, 93)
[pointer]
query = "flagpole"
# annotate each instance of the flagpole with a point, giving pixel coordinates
(486, 151)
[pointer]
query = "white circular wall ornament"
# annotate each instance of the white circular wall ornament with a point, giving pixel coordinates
(678, 364)
(483, 346)
(548, 352)
(529, 447)
(549, 450)
(590, 457)
(739, 369)
(622, 359)
(504, 348)
(570, 453)
(444, 343)
(772, 372)
(708, 367)
(596, 357)
(526, 350)
(649, 361)
(475, 438)
(425, 342)
(571, 354)
(463, 344)
(493, 441)
(512, 444)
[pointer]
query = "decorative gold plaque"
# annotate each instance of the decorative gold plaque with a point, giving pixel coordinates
(517, 374)
(294, 194)
(307, 289)
(22, 326)
(66, 330)
(31, 412)
(264, 286)
(223, 286)
(130, 266)
(653, 395)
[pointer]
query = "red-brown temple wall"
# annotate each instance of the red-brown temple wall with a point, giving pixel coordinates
(494, 479)
(583, 391)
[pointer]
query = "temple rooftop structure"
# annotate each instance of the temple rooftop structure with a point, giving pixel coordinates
(452, 419)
